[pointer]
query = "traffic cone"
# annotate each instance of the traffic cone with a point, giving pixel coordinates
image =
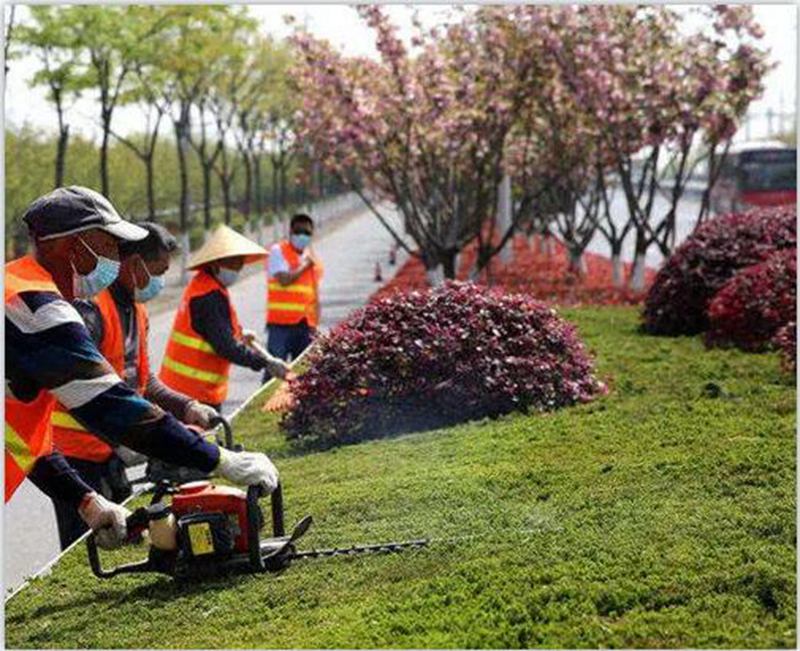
(378, 274)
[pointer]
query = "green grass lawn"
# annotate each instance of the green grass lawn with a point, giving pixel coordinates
(661, 515)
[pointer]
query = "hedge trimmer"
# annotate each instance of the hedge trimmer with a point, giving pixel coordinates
(210, 530)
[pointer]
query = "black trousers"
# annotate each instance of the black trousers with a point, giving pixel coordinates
(107, 478)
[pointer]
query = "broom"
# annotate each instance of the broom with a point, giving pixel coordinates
(282, 399)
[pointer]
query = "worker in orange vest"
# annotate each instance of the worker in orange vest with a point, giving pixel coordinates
(118, 321)
(50, 356)
(293, 309)
(206, 336)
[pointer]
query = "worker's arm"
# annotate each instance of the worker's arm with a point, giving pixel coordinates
(57, 479)
(211, 319)
(47, 343)
(279, 267)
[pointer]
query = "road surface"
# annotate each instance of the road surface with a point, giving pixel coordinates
(349, 249)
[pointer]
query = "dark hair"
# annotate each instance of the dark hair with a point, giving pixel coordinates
(301, 218)
(158, 239)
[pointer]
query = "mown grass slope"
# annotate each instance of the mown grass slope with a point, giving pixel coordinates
(662, 515)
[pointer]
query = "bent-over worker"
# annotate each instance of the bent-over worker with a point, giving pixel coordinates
(51, 356)
(206, 336)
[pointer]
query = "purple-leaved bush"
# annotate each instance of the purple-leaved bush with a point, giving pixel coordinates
(678, 299)
(430, 358)
(786, 342)
(751, 307)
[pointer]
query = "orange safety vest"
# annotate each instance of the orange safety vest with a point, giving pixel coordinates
(70, 437)
(291, 304)
(28, 435)
(190, 364)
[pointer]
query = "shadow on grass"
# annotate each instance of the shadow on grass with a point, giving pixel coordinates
(161, 589)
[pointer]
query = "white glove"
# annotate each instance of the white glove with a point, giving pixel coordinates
(199, 414)
(106, 519)
(247, 469)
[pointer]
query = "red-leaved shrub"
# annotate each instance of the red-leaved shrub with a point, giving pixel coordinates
(786, 341)
(750, 308)
(678, 299)
(430, 358)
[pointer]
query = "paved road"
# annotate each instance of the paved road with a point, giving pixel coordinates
(349, 250)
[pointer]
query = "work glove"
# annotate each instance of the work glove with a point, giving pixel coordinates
(199, 414)
(106, 519)
(248, 469)
(276, 367)
(249, 337)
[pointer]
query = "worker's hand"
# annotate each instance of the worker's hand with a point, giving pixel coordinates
(248, 469)
(106, 519)
(199, 414)
(249, 337)
(290, 376)
(307, 259)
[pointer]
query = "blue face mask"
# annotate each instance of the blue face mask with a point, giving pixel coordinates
(152, 289)
(227, 276)
(300, 240)
(104, 273)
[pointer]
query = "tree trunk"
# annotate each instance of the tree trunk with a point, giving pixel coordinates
(151, 192)
(259, 206)
(206, 196)
(226, 197)
(617, 268)
(435, 275)
(447, 259)
(575, 261)
(61, 154)
(275, 192)
(637, 273)
(104, 185)
(180, 139)
(248, 185)
(283, 186)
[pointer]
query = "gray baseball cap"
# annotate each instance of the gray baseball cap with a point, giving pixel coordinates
(73, 209)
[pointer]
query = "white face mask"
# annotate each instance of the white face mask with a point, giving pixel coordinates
(227, 276)
(104, 273)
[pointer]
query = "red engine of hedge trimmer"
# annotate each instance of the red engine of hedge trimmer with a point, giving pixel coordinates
(206, 530)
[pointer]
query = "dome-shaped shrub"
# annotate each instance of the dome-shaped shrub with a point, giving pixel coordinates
(440, 356)
(750, 308)
(786, 341)
(677, 301)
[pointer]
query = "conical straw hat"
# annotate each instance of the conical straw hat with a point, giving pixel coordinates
(226, 243)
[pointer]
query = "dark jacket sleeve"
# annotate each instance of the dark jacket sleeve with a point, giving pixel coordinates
(160, 394)
(211, 319)
(56, 478)
(52, 349)
(91, 316)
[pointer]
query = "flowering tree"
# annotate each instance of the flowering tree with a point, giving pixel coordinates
(428, 132)
(652, 94)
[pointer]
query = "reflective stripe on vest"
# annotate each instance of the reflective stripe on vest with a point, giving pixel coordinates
(290, 304)
(28, 434)
(190, 364)
(69, 436)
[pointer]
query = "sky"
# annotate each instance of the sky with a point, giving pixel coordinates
(342, 27)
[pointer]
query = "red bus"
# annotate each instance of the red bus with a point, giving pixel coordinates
(756, 174)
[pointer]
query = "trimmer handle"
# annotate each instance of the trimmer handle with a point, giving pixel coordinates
(227, 429)
(254, 522)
